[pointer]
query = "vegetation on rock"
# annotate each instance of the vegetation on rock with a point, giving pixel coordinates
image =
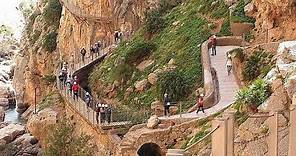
(49, 42)
(185, 27)
(63, 141)
(52, 12)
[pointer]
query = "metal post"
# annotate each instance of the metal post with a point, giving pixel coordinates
(35, 101)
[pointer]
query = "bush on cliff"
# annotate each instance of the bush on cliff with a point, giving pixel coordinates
(252, 96)
(50, 42)
(238, 15)
(52, 12)
(174, 84)
(62, 140)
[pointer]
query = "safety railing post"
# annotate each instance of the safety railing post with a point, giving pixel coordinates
(292, 132)
(273, 131)
(219, 137)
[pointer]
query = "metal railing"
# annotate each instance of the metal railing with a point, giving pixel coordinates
(91, 113)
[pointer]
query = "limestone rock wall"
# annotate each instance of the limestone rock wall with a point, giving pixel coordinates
(276, 16)
(85, 22)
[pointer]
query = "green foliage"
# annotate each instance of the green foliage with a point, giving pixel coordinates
(63, 141)
(35, 36)
(50, 100)
(216, 9)
(137, 51)
(167, 5)
(6, 30)
(254, 95)
(225, 29)
(238, 53)
(27, 7)
(249, 36)
(49, 79)
(259, 63)
(124, 113)
(240, 117)
(50, 42)
(204, 130)
(154, 21)
(52, 12)
(175, 84)
(238, 15)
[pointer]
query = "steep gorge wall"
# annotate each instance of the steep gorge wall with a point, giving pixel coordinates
(85, 22)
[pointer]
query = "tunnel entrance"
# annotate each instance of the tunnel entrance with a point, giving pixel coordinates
(149, 149)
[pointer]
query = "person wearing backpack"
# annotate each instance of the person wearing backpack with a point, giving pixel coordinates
(213, 43)
(83, 53)
(75, 89)
(200, 104)
(61, 79)
(69, 86)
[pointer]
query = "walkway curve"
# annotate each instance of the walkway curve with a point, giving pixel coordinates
(138, 135)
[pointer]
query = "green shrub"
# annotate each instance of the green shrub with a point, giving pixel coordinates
(35, 36)
(51, 78)
(238, 15)
(259, 63)
(249, 36)
(52, 12)
(124, 113)
(50, 42)
(154, 21)
(174, 84)
(225, 29)
(138, 51)
(62, 140)
(254, 95)
(167, 5)
(238, 53)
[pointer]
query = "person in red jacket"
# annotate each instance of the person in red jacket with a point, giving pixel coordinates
(200, 104)
(75, 89)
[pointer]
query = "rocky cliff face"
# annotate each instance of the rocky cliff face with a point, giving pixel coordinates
(85, 22)
(277, 17)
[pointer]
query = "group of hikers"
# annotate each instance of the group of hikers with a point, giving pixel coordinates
(94, 51)
(118, 37)
(70, 84)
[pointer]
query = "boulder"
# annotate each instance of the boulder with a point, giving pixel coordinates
(278, 101)
(10, 132)
(249, 9)
(141, 85)
(153, 121)
(38, 124)
(157, 107)
(158, 71)
(143, 65)
(4, 103)
(152, 78)
(290, 86)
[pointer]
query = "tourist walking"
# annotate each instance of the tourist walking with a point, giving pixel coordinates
(229, 64)
(108, 114)
(83, 53)
(103, 113)
(200, 104)
(72, 62)
(92, 51)
(69, 85)
(87, 99)
(166, 104)
(116, 37)
(213, 44)
(61, 79)
(98, 109)
(75, 89)
(97, 48)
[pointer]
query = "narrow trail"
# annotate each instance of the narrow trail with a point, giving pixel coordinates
(227, 86)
